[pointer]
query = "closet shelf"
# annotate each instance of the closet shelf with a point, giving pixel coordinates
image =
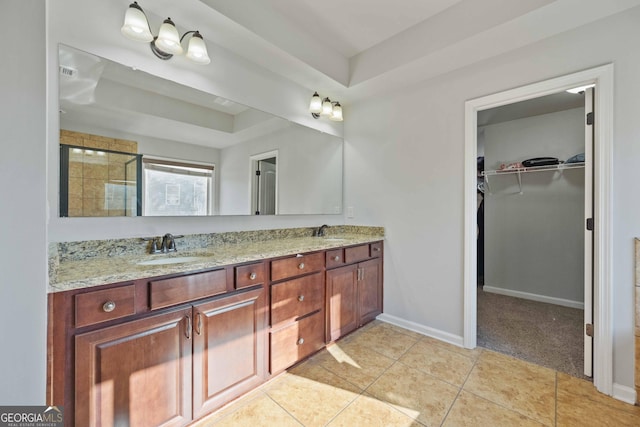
(561, 166)
(520, 171)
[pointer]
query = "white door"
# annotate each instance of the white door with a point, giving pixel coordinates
(588, 232)
(267, 188)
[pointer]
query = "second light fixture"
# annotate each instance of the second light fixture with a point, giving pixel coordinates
(324, 107)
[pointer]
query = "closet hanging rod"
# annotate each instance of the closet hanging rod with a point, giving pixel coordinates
(561, 166)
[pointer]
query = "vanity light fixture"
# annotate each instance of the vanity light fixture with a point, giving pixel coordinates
(168, 41)
(324, 107)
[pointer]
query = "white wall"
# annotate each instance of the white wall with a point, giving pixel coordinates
(94, 26)
(309, 170)
(404, 170)
(534, 241)
(23, 252)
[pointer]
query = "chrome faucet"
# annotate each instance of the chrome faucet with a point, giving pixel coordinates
(320, 231)
(168, 243)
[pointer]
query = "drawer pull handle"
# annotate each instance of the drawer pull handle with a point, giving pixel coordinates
(301, 265)
(253, 276)
(301, 298)
(300, 341)
(109, 306)
(336, 258)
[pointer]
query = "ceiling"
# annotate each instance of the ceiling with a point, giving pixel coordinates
(356, 49)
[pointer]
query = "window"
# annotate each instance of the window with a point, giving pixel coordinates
(177, 189)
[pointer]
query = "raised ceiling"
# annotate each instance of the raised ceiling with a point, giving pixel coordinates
(360, 48)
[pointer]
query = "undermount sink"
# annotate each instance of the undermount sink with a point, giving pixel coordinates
(171, 260)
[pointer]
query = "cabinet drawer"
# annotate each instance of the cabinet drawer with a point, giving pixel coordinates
(376, 249)
(296, 341)
(167, 292)
(100, 306)
(296, 265)
(296, 298)
(335, 258)
(356, 254)
(249, 275)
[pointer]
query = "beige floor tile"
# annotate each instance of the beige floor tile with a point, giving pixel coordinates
(521, 386)
(473, 411)
(260, 411)
(386, 341)
(437, 361)
(254, 410)
(415, 393)
(312, 394)
(474, 353)
(583, 389)
(400, 330)
(575, 410)
(353, 362)
(369, 412)
(234, 406)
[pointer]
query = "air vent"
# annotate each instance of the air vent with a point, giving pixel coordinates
(68, 71)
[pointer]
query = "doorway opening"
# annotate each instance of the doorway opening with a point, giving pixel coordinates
(602, 77)
(264, 183)
(534, 170)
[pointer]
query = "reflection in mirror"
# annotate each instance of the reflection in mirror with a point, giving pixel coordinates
(187, 152)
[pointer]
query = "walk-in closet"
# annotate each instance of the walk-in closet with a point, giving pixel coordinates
(531, 248)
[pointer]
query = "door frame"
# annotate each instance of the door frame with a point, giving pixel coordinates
(603, 194)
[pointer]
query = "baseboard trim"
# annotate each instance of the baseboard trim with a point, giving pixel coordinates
(624, 393)
(534, 297)
(422, 329)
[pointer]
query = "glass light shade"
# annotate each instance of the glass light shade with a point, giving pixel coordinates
(336, 113)
(315, 106)
(197, 50)
(168, 39)
(136, 26)
(327, 108)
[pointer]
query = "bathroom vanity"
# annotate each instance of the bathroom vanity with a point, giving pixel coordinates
(166, 349)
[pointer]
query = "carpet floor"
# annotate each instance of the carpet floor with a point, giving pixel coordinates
(546, 334)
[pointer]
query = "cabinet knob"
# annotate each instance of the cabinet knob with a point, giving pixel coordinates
(336, 258)
(301, 298)
(376, 249)
(300, 341)
(301, 265)
(109, 306)
(253, 276)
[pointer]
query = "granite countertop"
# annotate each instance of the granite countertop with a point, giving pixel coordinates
(101, 270)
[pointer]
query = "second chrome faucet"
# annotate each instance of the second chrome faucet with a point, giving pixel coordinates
(167, 244)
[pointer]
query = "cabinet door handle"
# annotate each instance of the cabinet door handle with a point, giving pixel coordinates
(300, 298)
(253, 276)
(336, 258)
(187, 331)
(109, 306)
(199, 324)
(300, 341)
(301, 265)
(376, 249)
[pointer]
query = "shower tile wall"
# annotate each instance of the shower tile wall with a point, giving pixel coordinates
(90, 175)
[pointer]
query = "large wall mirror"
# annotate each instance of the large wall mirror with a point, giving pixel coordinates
(134, 144)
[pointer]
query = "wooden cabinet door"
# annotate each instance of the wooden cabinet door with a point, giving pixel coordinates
(229, 349)
(135, 374)
(342, 301)
(369, 290)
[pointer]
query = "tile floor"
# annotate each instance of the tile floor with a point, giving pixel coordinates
(383, 375)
